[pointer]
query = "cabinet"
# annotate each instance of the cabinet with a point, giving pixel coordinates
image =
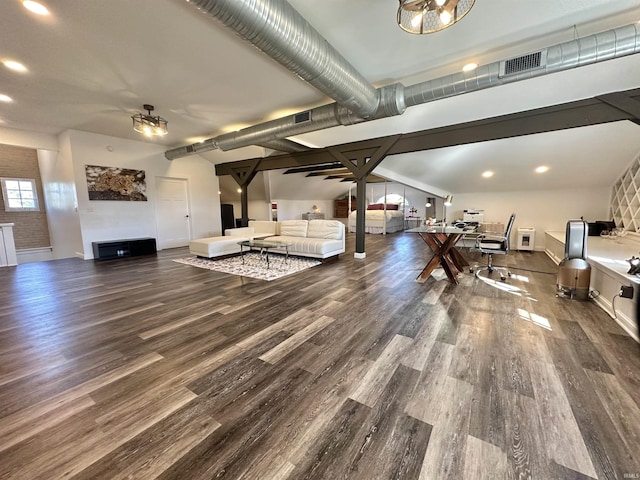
(8, 255)
(341, 207)
(313, 216)
(133, 247)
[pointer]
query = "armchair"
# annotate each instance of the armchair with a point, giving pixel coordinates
(490, 244)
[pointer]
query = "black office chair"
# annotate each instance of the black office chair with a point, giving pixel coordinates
(490, 244)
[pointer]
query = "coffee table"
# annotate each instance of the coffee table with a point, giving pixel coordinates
(264, 246)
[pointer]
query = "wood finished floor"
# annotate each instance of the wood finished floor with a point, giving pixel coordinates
(146, 368)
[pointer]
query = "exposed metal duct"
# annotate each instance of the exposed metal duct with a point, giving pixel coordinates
(277, 29)
(284, 145)
(393, 99)
(564, 56)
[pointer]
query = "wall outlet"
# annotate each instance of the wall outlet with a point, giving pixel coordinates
(626, 292)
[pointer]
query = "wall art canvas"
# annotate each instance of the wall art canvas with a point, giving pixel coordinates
(113, 183)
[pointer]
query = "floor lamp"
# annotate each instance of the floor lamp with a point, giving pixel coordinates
(447, 203)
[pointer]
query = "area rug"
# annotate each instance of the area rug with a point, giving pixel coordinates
(255, 265)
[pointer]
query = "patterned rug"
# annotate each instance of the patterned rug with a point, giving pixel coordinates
(255, 265)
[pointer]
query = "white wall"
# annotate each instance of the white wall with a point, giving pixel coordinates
(110, 220)
(540, 209)
(56, 172)
(24, 138)
(293, 209)
(258, 209)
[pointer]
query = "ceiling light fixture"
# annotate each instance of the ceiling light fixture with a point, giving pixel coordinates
(5, 98)
(15, 66)
(35, 7)
(470, 67)
(448, 200)
(487, 174)
(148, 124)
(429, 16)
(542, 169)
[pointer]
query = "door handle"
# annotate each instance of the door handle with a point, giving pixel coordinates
(186, 216)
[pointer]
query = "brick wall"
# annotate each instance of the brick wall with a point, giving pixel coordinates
(31, 229)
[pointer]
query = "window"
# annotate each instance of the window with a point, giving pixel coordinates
(394, 198)
(19, 195)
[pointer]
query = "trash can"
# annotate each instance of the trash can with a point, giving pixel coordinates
(526, 237)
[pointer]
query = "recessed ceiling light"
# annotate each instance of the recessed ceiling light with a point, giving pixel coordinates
(469, 67)
(5, 98)
(487, 174)
(35, 7)
(542, 169)
(15, 66)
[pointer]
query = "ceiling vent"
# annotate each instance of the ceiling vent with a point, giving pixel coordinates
(524, 63)
(302, 117)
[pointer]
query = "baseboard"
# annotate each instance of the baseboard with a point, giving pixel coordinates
(31, 255)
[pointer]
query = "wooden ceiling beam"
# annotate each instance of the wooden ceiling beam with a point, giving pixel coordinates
(611, 107)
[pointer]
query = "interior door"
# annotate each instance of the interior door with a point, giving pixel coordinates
(172, 212)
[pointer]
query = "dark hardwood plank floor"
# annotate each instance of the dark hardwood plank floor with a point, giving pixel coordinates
(147, 368)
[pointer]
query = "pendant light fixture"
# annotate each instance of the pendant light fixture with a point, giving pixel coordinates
(429, 16)
(148, 124)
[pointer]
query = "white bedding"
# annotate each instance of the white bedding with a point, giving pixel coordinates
(375, 221)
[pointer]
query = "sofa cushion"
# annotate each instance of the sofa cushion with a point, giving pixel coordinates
(263, 227)
(239, 232)
(324, 229)
(294, 228)
(216, 246)
(309, 246)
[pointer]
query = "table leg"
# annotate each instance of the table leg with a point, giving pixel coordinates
(242, 253)
(445, 254)
(429, 268)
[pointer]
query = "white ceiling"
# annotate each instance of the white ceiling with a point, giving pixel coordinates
(92, 64)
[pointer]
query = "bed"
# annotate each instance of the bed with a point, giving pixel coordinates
(377, 220)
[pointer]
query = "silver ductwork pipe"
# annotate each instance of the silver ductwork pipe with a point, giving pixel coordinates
(394, 99)
(575, 53)
(284, 145)
(277, 29)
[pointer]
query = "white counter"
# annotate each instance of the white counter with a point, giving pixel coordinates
(8, 255)
(609, 267)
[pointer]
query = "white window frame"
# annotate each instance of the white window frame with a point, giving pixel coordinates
(7, 208)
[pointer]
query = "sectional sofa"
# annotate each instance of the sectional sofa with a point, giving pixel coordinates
(308, 238)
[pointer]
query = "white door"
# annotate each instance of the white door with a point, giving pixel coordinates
(172, 212)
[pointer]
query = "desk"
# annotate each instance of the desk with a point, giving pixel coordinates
(609, 267)
(442, 241)
(412, 222)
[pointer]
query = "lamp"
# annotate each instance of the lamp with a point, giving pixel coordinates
(448, 200)
(430, 201)
(429, 16)
(148, 124)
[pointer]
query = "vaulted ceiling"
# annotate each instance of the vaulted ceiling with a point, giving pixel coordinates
(91, 65)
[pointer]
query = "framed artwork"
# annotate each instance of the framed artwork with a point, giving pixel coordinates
(113, 183)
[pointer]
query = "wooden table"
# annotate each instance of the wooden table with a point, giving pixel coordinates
(442, 241)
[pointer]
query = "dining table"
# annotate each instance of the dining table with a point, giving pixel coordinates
(442, 241)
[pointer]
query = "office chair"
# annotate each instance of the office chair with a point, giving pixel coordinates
(490, 244)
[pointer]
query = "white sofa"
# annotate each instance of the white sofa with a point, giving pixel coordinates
(211, 247)
(308, 238)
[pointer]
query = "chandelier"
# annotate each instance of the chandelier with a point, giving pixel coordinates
(429, 16)
(148, 124)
